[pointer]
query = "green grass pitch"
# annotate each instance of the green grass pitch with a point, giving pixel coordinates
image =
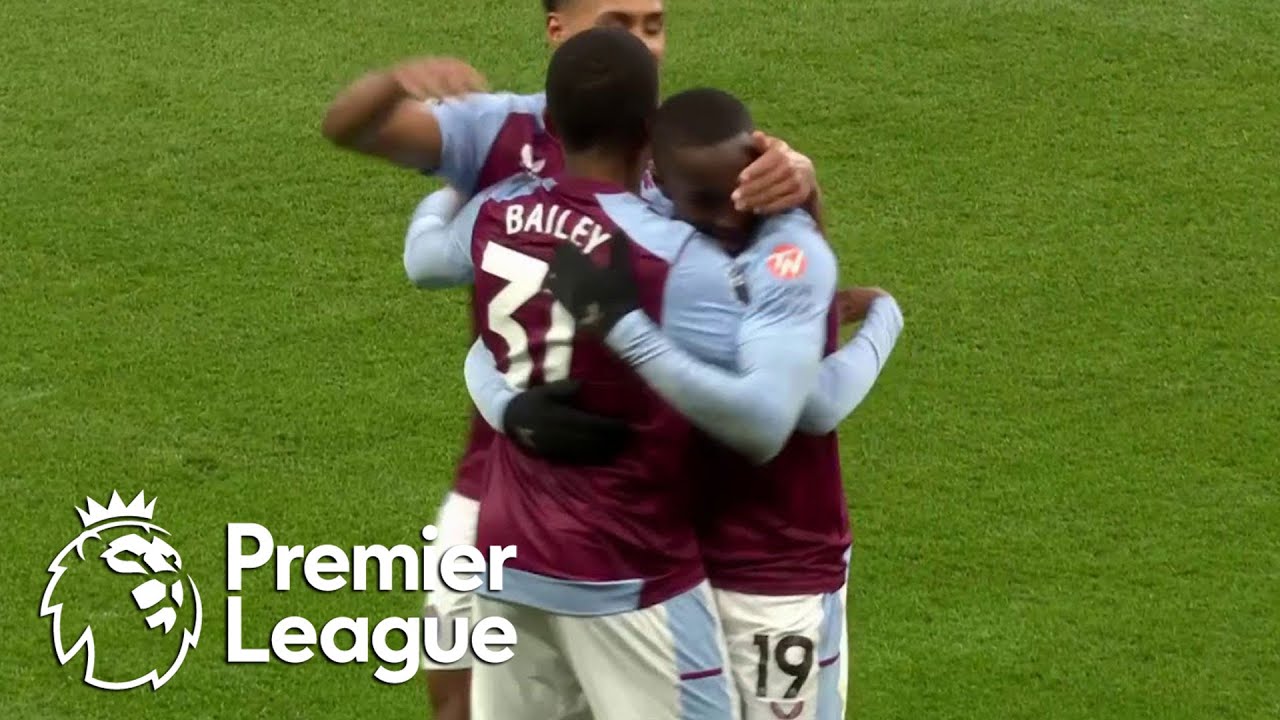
(1065, 490)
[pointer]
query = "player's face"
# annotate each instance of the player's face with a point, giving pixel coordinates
(643, 18)
(700, 182)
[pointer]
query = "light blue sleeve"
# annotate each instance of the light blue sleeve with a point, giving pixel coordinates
(849, 373)
(488, 388)
(469, 126)
(437, 245)
(791, 283)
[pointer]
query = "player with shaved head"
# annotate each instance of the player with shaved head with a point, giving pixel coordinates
(774, 535)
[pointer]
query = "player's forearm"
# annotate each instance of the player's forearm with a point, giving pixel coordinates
(848, 375)
(353, 118)
(488, 388)
(431, 257)
(374, 116)
(754, 412)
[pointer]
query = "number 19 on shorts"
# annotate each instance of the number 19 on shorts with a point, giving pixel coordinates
(789, 660)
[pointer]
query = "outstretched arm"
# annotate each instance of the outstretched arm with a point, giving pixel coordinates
(387, 114)
(375, 117)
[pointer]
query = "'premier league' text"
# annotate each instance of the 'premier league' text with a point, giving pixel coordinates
(328, 568)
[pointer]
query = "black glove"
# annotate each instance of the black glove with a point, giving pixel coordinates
(597, 297)
(544, 423)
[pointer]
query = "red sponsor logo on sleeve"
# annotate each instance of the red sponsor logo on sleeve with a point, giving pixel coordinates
(787, 262)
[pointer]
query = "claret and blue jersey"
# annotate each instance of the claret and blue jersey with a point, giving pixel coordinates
(606, 540)
(735, 344)
(488, 138)
(592, 540)
(740, 351)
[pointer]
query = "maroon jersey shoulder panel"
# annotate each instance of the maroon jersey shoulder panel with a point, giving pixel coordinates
(522, 145)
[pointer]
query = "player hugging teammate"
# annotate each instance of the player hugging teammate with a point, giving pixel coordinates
(659, 384)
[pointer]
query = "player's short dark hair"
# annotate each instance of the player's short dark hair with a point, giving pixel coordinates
(698, 118)
(602, 91)
(555, 5)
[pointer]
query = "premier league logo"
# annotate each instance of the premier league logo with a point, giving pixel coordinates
(119, 599)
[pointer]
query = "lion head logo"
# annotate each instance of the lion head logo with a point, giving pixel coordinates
(122, 577)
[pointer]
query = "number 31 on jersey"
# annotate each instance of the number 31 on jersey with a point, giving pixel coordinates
(525, 275)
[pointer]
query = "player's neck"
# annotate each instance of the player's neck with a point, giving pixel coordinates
(604, 168)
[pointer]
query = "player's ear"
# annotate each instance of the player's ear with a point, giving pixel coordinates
(555, 30)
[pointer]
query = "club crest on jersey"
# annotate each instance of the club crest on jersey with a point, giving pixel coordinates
(787, 262)
(528, 162)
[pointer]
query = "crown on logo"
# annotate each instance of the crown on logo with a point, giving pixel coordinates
(116, 508)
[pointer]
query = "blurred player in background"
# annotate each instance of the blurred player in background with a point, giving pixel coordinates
(431, 114)
(608, 594)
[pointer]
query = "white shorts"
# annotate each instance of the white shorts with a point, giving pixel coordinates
(663, 662)
(456, 523)
(787, 654)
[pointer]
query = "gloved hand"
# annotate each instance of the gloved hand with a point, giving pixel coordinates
(597, 297)
(544, 423)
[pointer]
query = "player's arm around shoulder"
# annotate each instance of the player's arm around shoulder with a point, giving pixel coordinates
(437, 244)
(789, 277)
(848, 374)
(469, 128)
(434, 115)
(845, 377)
(384, 114)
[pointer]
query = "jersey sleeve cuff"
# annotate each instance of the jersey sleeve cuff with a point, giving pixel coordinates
(891, 311)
